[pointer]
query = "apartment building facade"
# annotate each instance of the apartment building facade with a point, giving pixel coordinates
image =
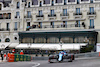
(39, 22)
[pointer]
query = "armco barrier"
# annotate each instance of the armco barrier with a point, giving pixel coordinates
(92, 54)
(81, 55)
(18, 57)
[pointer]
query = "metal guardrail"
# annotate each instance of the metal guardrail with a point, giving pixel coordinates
(92, 54)
(81, 55)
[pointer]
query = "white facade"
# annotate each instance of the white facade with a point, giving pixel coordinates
(91, 20)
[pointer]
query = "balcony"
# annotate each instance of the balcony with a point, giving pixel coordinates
(5, 16)
(91, 27)
(17, 17)
(91, 15)
(77, 15)
(15, 29)
(4, 29)
(64, 16)
(52, 17)
(28, 18)
(39, 17)
(56, 27)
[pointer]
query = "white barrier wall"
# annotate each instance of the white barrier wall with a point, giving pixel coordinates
(98, 47)
(73, 46)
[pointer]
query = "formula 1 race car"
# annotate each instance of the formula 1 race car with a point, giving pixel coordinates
(54, 58)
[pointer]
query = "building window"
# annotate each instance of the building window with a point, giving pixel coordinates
(91, 9)
(18, 5)
(40, 13)
(77, 10)
(7, 26)
(91, 41)
(7, 40)
(77, 24)
(17, 15)
(44, 2)
(15, 26)
(28, 24)
(91, 23)
(52, 25)
(40, 40)
(64, 24)
(29, 4)
(0, 40)
(53, 40)
(40, 3)
(67, 39)
(52, 3)
(15, 38)
(78, 1)
(91, 1)
(52, 12)
(40, 25)
(0, 7)
(80, 40)
(27, 40)
(64, 12)
(65, 2)
(55, 1)
(29, 14)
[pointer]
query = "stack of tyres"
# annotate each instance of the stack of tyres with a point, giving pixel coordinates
(10, 57)
(21, 57)
(28, 58)
(25, 58)
(17, 57)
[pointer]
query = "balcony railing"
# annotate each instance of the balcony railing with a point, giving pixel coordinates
(62, 26)
(4, 29)
(77, 13)
(15, 29)
(28, 16)
(64, 14)
(91, 27)
(17, 16)
(39, 15)
(52, 15)
(5, 16)
(91, 13)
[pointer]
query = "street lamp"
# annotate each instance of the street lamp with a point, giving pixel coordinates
(29, 45)
(61, 44)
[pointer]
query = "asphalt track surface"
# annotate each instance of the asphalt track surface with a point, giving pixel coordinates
(95, 62)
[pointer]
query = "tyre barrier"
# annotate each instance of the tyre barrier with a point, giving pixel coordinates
(18, 57)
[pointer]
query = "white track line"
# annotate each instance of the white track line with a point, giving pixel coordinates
(36, 65)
